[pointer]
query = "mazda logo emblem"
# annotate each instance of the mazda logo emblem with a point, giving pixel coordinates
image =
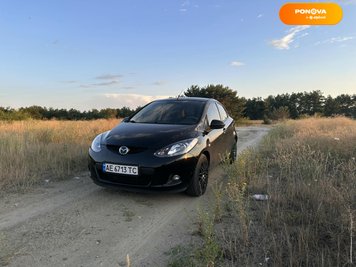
(123, 150)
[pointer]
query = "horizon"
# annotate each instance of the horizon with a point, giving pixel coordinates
(135, 107)
(102, 55)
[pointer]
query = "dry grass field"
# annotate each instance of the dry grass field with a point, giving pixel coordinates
(307, 170)
(33, 151)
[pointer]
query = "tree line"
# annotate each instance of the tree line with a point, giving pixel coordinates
(297, 105)
(281, 106)
(43, 113)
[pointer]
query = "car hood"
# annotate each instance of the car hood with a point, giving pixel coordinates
(149, 135)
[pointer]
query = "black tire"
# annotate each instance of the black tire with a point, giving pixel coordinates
(233, 153)
(199, 181)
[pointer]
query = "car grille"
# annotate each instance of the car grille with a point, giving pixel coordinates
(132, 149)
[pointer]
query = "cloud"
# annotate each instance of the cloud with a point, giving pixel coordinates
(237, 64)
(128, 100)
(285, 42)
(109, 83)
(128, 87)
(302, 35)
(159, 83)
(70, 81)
(334, 40)
(186, 5)
(259, 16)
(107, 80)
(105, 83)
(108, 77)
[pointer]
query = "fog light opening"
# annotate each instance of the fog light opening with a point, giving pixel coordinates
(175, 178)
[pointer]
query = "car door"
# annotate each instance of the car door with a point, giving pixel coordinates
(228, 136)
(215, 136)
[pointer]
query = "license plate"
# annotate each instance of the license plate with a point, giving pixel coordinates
(120, 169)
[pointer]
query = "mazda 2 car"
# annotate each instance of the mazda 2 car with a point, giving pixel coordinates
(168, 145)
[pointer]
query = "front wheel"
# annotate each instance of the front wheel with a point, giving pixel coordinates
(199, 181)
(233, 153)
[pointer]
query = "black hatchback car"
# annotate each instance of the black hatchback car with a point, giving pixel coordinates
(168, 145)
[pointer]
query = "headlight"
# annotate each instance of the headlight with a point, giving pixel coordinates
(96, 144)
(176, 149)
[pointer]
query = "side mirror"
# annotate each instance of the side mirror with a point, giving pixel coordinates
(126, 119)
(217, 124)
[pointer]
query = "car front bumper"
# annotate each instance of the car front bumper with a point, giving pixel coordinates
(155, 174)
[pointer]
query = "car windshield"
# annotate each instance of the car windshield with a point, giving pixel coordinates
(170, 112)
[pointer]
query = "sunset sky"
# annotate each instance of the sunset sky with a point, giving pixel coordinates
(96, 54)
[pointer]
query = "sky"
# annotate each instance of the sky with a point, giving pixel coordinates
(87, 54)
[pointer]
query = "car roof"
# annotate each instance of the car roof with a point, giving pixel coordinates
(184, 98)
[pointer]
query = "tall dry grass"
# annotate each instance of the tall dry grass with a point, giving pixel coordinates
(308, 170)
(31, 151)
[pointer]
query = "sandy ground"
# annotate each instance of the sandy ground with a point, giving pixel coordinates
(76, 223)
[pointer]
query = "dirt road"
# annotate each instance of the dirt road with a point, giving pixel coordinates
(76, 223)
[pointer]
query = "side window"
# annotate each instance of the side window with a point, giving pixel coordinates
(212, 113)
(222, 112)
